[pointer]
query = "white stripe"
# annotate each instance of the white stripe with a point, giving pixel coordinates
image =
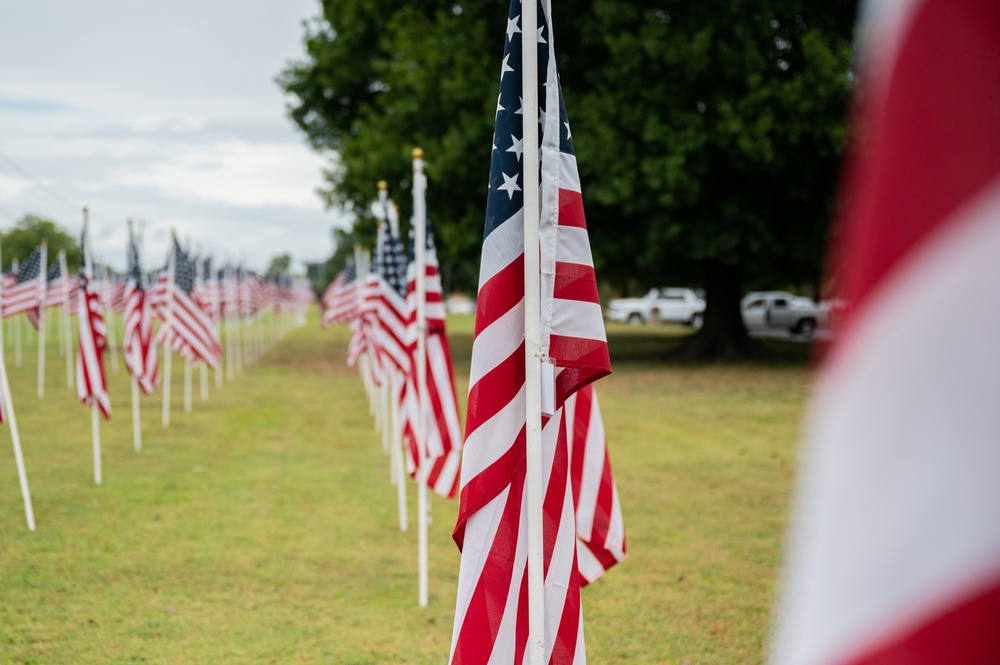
(569, 175)
(898, 495)
(443, 384)
(493, 438)
(502, 246)
(593, 468)
(574, 318)
(497, 342)
(574, 246)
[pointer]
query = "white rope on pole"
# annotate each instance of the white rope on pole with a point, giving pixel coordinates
(15, 435)
(532, 336)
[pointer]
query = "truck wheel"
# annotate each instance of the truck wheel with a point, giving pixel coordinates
(806, 328)
(635, 318)
(697, 321)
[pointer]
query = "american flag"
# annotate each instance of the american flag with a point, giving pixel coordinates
(57, 291)
(444, 427)
(384, 305)
(340, 300)
(26, 290)
(492, 608)
(139, 349)
(191, 331)
(600, 529)
(91, 380)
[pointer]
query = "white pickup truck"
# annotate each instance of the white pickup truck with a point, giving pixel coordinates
(771, 310)
(670, 305)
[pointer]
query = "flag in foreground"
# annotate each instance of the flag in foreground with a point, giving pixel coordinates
(491, 618)
(139, 349)
(895, 545)
(91, 381)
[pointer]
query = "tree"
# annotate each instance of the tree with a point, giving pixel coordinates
(708, 135)
(279, 266)
(28, 233)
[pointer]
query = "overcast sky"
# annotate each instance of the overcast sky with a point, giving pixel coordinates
(165, 112)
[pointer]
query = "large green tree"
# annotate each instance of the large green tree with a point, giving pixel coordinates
(708, 135)
(29, 232)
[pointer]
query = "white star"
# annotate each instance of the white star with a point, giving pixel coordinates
(520, 109)
(569, 134)
(512, 28)
(541, 40)
(495, 142)
(516, 146)
(509, 185)
(499, 108)
(505, 68)
(541, 116)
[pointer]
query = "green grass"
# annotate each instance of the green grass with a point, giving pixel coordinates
(261, 527)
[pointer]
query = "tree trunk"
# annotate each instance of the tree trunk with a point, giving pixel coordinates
(723, 335)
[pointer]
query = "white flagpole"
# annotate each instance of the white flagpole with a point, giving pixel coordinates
(95, 425)
(187, 386)
(397, 456)
(217, 318)
(533, 350)
(228, 321)
(67, 331)
(43, 288)
(419, 242)
(112, 342)
(169, 338)
(15, 435)
(17, 321)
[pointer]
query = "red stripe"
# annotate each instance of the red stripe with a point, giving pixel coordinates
(575, 281)
(964, 633)
(489, 483)
(935, 139)
(488, 602)
(578, 450)
(495, 390)
(500, 294)
(571, 209)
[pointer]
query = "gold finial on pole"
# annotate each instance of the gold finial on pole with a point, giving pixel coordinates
(418, 153)
(383, 185)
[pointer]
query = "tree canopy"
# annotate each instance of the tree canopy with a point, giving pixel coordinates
(28, 233)
(708, 135)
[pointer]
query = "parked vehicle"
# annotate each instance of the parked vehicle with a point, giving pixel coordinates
(670, 305)
(770, 310)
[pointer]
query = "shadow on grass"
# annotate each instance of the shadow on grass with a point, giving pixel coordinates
(666, 345)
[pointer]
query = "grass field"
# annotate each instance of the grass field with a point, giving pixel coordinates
(261, 527)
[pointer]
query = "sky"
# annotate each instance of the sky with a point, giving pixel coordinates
(166, 113)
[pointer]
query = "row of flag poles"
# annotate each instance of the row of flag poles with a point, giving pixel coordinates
(400, 345)
(221, 320)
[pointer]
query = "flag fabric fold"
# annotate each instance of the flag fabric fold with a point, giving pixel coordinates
(894, 554)
(190, 329)
(491, 610)
(444, 427)
(91, 379)
(139, 349)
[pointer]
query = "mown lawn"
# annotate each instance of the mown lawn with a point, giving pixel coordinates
(261, 527)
